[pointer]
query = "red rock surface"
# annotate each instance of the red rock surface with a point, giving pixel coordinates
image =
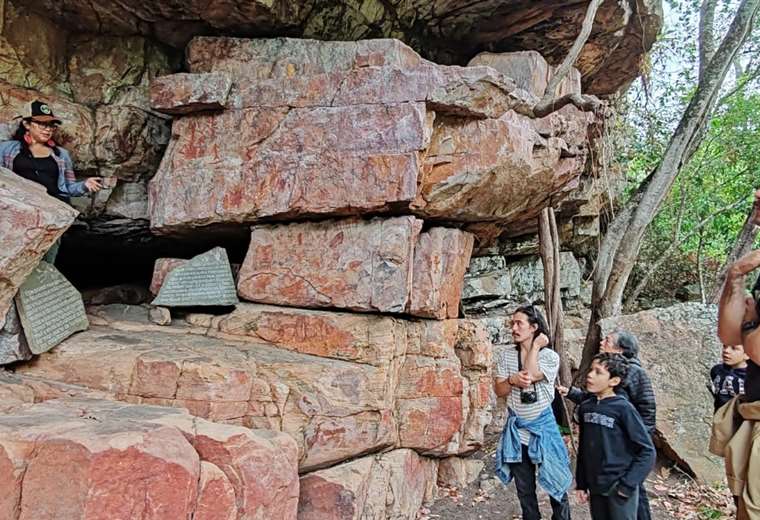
(30, 222)
(452, 32)
(314, 120)
(382, 265)
(393, 485)
(181, 94)
(216, 496)
(441, 257)
(386, 385)
(283, 162)
(127, 461)
(350, 264)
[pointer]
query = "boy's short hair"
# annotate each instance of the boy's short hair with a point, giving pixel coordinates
(616, 364)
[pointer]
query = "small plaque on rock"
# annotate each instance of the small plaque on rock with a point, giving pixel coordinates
(50, 308)
(205, 280)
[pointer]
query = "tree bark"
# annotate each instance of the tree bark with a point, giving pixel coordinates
(619, 254)
(706, 35)
(548, 240)
(548, 103)
(741, 247)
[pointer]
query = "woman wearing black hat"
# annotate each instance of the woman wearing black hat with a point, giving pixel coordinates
(33, 154)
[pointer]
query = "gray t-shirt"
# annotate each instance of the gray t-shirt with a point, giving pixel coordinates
(548, 364)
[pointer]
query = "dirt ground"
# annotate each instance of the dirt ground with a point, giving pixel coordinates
(672, 495)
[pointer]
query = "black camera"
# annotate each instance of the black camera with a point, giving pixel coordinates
(528, 396)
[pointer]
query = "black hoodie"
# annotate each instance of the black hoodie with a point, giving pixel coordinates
(637, 387)
(615, 449)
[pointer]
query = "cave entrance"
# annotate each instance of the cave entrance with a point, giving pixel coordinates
(95, 256)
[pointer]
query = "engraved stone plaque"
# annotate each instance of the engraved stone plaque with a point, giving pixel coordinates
(205, 280)
(13, 345)
(50, 308)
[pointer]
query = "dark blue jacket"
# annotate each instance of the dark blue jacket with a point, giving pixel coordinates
(637, 388)
(727, 382)
(615, 452)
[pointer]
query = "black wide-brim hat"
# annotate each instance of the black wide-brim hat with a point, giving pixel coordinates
(40, 112)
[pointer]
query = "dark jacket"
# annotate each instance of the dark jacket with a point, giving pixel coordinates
(637, 388)
(727, 382)
(615, 452)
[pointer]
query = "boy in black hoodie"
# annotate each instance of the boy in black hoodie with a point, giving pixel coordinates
(616, 450)
(636, 386)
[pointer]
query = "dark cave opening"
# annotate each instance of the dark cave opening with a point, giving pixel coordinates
(94, 256)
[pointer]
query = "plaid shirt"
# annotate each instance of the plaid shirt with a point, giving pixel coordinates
(67, 184)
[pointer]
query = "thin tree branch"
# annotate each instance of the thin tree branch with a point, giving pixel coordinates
(548, 104)
(665, 255)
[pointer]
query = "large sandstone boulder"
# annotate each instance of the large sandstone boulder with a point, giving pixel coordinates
(448, 143)
(340, 384)
(382, 265)
(678, 346)
(30, 222)
(125, 461)
(452, 32)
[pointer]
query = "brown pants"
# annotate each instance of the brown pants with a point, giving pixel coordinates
(736, 437)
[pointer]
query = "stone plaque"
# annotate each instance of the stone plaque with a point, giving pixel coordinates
(205, 280)
(50, 308)
(13, 345)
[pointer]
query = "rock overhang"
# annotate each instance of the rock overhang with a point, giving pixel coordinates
(446, 32)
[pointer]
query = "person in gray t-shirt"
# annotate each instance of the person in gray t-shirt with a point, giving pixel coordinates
(525, 375)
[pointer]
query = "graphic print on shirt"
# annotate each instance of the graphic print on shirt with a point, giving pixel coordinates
(599, 418)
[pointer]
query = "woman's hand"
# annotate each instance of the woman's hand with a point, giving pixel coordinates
(581, 495)
(93, 184)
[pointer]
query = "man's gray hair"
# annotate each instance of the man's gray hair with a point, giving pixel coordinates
(626, 342)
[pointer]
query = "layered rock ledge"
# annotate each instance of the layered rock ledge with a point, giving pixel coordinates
(92, 459)
(319, 129)
(341, 385)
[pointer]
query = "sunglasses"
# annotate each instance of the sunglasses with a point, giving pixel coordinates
(51, 126)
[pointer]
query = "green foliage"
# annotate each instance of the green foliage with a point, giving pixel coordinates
(722, 173)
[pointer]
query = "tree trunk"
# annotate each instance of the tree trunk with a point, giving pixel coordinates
(617, 255)
(742, 246)
(548, 238)
(700, 270)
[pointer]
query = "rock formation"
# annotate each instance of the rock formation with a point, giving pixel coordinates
(449, 32)
(383, 118)
(352, 180)
(30, 222)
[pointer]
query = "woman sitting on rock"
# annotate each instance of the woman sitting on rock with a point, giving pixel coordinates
(33, 154)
